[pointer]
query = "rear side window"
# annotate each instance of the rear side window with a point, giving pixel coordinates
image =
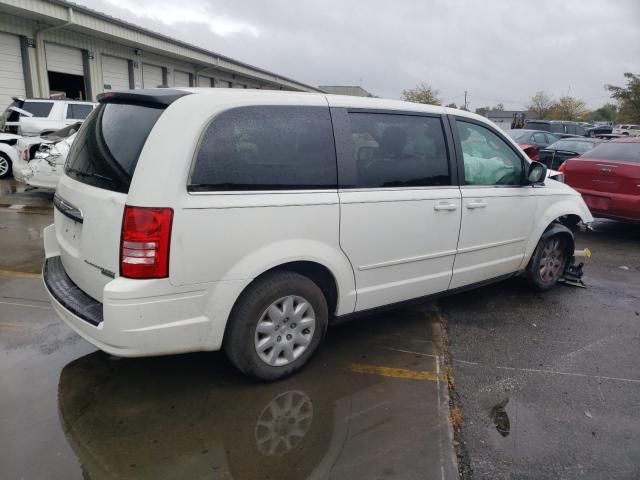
(38, 109)
(105, 152)
(266, 148)
(620, 151)
(538, 126)
(393, 150)
(78, 111)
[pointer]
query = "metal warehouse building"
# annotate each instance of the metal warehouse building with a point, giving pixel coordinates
(50, 47)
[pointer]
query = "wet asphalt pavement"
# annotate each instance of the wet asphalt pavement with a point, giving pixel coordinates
(544, 385)
(549, 383)
(371, 404)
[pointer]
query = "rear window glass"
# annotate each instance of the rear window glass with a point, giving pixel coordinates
(266, 148)
(38, 109)
(621, 151)
(573, 146)
(539, 126)
(105, 152)
(78, 111)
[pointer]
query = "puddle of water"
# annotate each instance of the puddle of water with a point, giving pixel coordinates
(516, 429)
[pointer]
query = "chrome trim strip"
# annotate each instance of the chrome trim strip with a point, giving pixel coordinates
(400, 261)
(67, 209)
(490, 245)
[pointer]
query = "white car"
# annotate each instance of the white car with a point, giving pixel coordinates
(627, 130)
(193, 219)
(40, 161)
(35, 116)
(8, 153)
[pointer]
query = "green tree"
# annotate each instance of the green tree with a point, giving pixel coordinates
(483, 110)
(568, 108)
(541, 104)
(423, 93)
(628, 98)
(606, 113)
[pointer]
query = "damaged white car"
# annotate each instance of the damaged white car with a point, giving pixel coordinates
(8, 153)
(40, 160)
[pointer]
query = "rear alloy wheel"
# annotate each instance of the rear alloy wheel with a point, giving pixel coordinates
(276, 325)
(5, 166)
(548, 262)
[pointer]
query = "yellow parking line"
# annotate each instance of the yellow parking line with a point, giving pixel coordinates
(13, 326)
(16, 273)
(394, 372)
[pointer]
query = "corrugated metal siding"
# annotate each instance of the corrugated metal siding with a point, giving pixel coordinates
(63, 59)
(115, 73)
(11, 73)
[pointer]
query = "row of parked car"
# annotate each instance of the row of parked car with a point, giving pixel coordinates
(606, 171)
(565, 128)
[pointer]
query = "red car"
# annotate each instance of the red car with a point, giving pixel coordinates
(608, 177)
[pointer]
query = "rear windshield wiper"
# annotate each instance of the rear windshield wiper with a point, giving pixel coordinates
(89, 174)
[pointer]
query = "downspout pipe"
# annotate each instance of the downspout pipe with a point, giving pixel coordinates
(40, 47)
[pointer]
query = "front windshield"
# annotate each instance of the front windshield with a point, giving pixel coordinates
(578, 146)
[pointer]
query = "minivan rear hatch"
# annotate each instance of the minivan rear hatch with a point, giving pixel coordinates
(91, 195)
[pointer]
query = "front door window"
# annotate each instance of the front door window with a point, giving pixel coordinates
(488, 160)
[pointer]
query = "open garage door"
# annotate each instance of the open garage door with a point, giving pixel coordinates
(206, 82)
(115, 74)
(65, 71)
(181, 79)
(151, 76)
(11, 72)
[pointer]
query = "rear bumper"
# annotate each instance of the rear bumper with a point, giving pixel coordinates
(617, 206)
(133, 327)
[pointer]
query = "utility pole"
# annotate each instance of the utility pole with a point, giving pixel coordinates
(465, 100)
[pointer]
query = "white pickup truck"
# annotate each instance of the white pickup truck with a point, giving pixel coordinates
(40, 116)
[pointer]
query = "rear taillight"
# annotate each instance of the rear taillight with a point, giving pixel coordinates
(145, 242)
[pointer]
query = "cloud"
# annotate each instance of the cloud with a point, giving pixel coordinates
(171, 13)
(498, 51)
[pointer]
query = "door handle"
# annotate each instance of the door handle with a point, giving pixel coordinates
(445, 206)
(472, 205)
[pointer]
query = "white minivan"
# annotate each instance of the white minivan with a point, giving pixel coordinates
(245, 220)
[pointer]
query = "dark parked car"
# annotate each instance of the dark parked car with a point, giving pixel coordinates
(595, 130)
(560, 128)
(532, 141)
(608, 177)
(565, 148)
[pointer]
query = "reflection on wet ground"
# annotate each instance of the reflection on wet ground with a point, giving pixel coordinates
(356, 412)
(193, 416)
(23, 215)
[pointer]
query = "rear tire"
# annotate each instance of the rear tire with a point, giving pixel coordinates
(548, 262)
(276, 325)
(5, 166)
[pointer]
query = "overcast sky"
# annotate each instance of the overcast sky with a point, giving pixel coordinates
(499, 51)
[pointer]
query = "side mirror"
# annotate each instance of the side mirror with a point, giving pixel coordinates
(537, 173)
